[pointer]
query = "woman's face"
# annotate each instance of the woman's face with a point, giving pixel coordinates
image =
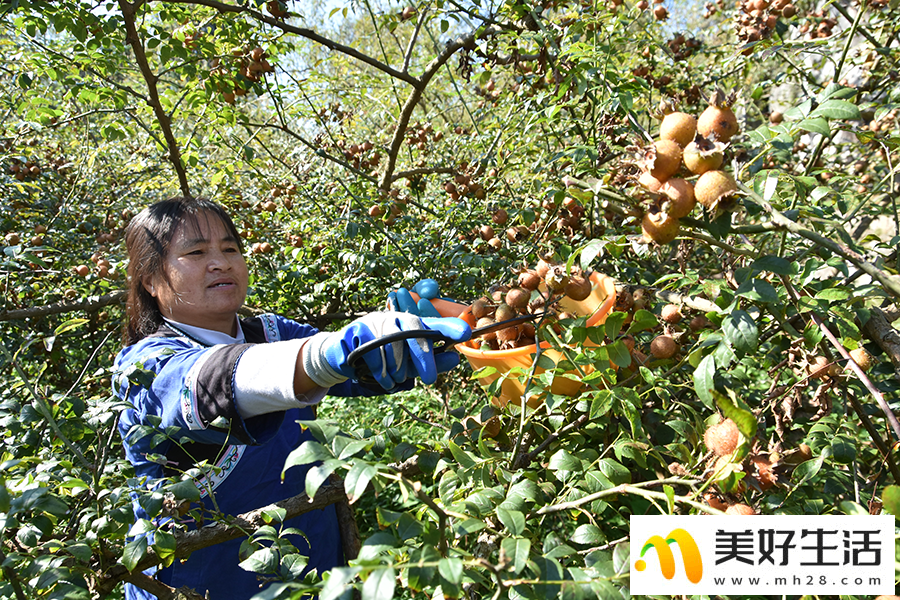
(207, 277)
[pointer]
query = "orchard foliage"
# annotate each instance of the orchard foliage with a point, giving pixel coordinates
(376, 144)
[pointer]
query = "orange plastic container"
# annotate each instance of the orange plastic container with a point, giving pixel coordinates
(596, 306)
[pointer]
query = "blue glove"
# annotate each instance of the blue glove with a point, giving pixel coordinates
(402, 301)
(325, 355)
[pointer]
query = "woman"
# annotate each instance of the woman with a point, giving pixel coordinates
(230, 391)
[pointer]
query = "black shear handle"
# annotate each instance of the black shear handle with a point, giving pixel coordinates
(359, 366)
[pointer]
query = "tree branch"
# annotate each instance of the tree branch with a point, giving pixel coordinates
(419, 86)
(165, 124)
(238, 526)
(302, 32)
(878, 329)
(161, 590)
(63, 307)
(890, 282)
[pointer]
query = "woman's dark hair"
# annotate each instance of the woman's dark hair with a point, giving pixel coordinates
(147, 239)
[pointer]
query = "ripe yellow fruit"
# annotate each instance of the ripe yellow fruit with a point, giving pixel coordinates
(660, 227)
(666, 159)
(714, 501)
(678, 127)
(671, 313)
(649, 182)
(578, 288)
(681, 197)
(818, 367)
(718, 120)
(703, 155)
(714, 187)
(722, 438)
(862, 358)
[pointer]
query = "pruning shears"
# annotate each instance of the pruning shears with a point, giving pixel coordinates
(363, 375)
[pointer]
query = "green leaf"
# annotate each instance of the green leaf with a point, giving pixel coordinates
(523, 491)
(293, 565)
(738, 412)
(70, 325)
(164, 545)
(318, 475)
(135, 550)
(807, 470)
(588, 535)
(757, 290)
(563, 460)
(421, 570)
(843, 450)
(451, 569)
(274, 514)
(643, 319)
(357, 480)
(185, 490)
(338, 582)
(465, 459)
(740, 330)
(380, 584)
(890, 498)
(596, 481)
(618, 354)
(308, 452)
(517, 550)
(263, 560)
(833, 294)
(852, 508)
(513, 520)
(815, 125)
(322, 430)
(837, 109)
(774, 264)
(670, 498)
(590, 251)
(613, 324)
(771, 185)
(351, 448)
(614, 471)
(601, 403)
(703, 379)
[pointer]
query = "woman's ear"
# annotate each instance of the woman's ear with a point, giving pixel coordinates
(147, 282)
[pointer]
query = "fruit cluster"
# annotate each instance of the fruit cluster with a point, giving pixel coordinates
(534, 291)
(660, 12)
(24, 171)
(418, 136)
(756, 19)
(463, 185)
(682, 48)
(698, 144)
(361, 156)
(819, 25)
(249, 67)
